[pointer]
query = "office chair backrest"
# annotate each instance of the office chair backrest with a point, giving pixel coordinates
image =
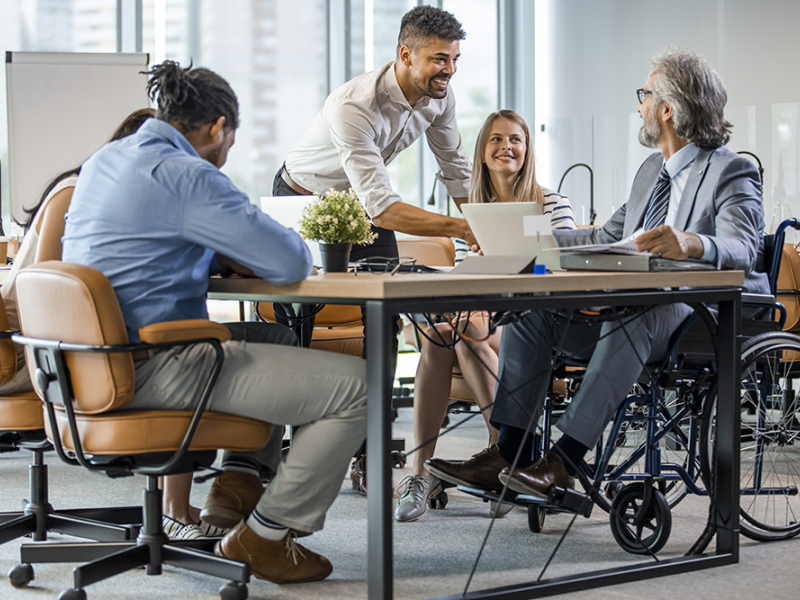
(51, 226)
(429, 251)
(788, 292)
(75, 303)
(8, 353)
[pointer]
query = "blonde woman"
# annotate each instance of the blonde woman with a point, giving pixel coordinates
(503, 171)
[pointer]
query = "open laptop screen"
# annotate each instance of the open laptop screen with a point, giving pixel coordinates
(499, 229)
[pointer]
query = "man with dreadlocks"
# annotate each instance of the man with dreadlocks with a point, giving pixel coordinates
(155, 215)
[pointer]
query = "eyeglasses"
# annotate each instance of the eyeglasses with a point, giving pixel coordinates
(640, 94)
(382, 264)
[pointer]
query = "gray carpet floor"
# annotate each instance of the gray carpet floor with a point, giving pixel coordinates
(433, 556)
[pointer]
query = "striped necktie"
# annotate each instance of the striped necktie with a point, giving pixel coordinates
(657, 211)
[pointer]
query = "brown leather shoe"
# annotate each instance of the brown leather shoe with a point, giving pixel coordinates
(537, 479)
(480, 471)
(284, 561)
(233, 497)
(358, 474)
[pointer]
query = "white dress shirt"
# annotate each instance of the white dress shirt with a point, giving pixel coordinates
(362, 126)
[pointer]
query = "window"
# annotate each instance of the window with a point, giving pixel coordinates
(273, 54)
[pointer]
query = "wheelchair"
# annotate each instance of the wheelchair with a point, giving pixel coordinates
(660, 446)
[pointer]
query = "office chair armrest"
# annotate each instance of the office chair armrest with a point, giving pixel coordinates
(180, 331)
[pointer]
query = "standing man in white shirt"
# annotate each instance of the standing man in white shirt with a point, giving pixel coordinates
(364, 124)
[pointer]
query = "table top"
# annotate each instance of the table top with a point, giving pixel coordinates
(383, 286)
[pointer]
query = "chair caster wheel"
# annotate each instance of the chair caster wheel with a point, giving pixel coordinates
(72, 594)
(233, 591)
(536, 516)
(21, 575)
(439, 500)
(398, 459)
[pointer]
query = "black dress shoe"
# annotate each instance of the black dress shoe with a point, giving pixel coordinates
(537, 479)
(480, 471)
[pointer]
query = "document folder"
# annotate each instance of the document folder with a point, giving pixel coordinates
(602, 261)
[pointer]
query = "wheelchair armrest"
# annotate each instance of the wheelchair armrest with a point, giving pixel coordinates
(758, 299)
(180, 331)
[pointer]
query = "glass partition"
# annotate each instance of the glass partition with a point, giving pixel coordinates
(560, 144)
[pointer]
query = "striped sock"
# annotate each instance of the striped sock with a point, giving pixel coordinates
(265, 528)
(240, 463)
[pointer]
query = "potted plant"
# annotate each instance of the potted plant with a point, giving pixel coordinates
(337, 221)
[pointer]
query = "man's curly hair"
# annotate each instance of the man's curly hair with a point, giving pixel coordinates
(421, 24)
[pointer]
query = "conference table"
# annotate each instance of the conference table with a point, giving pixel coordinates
(386, 295)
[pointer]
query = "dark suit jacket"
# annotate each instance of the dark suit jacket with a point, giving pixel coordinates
(721, 202)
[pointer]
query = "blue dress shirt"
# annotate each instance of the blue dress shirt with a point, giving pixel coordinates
(150, 214)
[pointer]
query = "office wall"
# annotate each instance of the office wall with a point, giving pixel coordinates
(591, 56)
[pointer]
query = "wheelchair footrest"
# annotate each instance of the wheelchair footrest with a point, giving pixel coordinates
(559, 499)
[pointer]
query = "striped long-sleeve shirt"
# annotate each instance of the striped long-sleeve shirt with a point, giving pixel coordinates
(556, 205)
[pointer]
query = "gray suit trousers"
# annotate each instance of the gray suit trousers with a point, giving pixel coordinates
(615, 351)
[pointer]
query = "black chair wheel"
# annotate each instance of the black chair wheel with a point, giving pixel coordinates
(439, 500)
(21, 575)
(536, 516)
(233, 591)
(640, 529)
(398, 459)
(72, 594)
(613, 488)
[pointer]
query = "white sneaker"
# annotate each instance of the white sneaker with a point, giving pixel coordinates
(208, 530)
(413, 502)
(171, 526)
(189, 532)
(176, 530)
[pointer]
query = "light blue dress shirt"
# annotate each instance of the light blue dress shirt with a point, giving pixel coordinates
(150, 214)
(677, 167)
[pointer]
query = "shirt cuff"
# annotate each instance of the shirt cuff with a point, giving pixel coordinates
(457, 188)
(709, 250)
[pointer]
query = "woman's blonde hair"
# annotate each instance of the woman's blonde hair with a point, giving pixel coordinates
(525, 188)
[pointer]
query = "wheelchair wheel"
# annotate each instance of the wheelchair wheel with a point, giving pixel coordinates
(770, 437)
(637, 528)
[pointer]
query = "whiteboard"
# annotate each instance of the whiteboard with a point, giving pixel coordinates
(62, 106)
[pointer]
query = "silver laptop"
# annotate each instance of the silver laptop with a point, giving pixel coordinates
(514, 229)
(288, 210)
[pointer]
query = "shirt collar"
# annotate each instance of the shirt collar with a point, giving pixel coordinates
(395, 91)
(159, 128)
(681, 159)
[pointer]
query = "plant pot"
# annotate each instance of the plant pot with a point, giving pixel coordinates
(335, 257)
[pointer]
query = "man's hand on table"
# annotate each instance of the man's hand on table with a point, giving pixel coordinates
(670, 243)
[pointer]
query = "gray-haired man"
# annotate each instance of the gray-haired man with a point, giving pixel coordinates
(695, 199)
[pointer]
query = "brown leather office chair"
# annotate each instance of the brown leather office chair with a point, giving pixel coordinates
(429, 251)
(22, 428)
(84, 369)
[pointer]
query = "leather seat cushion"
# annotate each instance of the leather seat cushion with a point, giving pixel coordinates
(143, 431)
(21, 412)
(344, 340)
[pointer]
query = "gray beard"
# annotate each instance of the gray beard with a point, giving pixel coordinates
(649, 133)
